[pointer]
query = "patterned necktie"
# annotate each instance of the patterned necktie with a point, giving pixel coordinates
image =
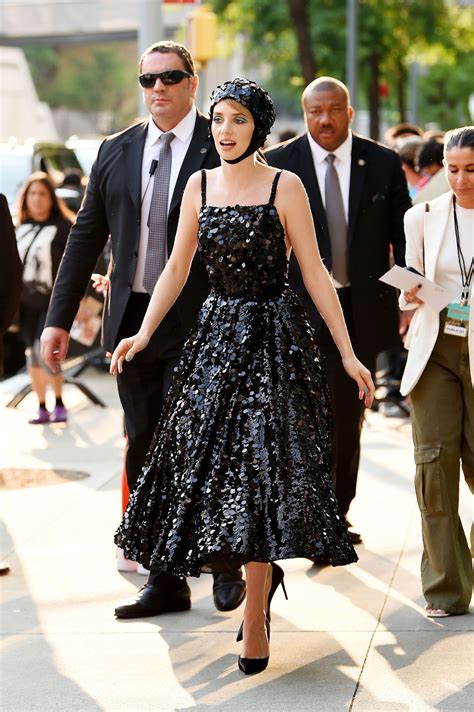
(336, 222)
(156, 252)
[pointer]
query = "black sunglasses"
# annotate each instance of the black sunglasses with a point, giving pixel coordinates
(173, 76)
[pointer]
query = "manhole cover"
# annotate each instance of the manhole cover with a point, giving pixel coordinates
(18, 478)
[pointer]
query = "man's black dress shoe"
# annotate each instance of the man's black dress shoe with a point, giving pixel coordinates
(321, 561)
(355, 537)
(229, 590)
(153, 600)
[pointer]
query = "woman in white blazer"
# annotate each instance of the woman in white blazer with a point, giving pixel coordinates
(439, 376)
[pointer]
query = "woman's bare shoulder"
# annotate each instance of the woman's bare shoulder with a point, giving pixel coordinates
(291, 188)
(290, 179)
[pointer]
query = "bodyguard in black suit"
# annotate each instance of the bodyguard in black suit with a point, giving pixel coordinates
(117, 203)
(10, 288)
(374, 199)
(10, 273)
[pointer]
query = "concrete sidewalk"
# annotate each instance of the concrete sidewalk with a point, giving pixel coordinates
(351, 638)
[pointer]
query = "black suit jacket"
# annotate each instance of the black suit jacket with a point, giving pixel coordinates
(378, 199)
(112, 206)
(10, 273)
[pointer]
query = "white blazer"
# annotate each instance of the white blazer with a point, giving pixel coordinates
(424, 233)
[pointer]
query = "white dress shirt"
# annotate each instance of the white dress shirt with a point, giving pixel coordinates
(448, 271)
(179, 145)
(342, 165)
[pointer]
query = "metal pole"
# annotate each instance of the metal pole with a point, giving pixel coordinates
(150, 30)
(414, 72)
(352, 10)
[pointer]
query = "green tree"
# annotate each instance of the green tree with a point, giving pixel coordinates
(298, 39)
(90, 78)
(294, 40)
(452, 82)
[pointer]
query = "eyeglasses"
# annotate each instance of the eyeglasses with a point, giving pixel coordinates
(173, 76)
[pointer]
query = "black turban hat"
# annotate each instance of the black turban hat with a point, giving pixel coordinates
(256, 100)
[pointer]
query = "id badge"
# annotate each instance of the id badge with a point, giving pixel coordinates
(457, 320)
(457, 312)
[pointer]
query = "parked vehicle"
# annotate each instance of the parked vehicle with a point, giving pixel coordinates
(19, 160)
(86, 150)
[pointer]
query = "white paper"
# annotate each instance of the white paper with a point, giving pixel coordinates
(432, 294)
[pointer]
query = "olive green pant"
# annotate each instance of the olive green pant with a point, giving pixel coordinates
(443, 435)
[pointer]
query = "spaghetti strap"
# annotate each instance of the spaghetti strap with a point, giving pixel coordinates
(203, 188)
(274, 188)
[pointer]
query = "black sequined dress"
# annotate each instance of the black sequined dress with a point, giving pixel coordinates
(239, 469)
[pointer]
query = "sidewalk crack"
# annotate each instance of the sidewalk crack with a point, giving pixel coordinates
(379, 618)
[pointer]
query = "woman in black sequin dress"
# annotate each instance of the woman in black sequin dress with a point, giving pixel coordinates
(239, 468)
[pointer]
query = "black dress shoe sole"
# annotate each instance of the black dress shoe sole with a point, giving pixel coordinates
(138, 611)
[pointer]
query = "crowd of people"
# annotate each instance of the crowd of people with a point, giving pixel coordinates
(244, 317)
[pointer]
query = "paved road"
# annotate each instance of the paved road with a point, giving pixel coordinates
(351, 638)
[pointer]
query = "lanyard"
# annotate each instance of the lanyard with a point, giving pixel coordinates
(466, 275)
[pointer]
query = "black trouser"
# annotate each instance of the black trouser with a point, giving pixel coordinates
(144, 382)
(348, 410)
(143, 385)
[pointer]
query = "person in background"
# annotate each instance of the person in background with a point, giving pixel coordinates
(358, 196)
(43, 227)
(285, 135)
(72, 188)
(439, 376)
(438, 134)
(407, 152)
(397, 134)
(429, 161)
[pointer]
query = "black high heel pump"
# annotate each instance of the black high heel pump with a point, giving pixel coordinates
(277, 578)
(251, 666)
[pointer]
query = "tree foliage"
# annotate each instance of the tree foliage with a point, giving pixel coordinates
(287, 43)
(392, 35)
(90, 78)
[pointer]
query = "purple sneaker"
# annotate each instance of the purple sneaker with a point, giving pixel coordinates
(59, 414)
(42, 417)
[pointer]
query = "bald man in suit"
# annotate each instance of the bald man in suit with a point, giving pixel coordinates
(357, 191)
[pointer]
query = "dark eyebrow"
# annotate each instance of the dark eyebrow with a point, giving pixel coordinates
(235, 113)
(335, 104)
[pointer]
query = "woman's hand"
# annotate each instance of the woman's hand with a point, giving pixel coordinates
(127, 349)
(361, 375)
(411, 298)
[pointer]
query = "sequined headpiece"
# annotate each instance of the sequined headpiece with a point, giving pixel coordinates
(256, 100)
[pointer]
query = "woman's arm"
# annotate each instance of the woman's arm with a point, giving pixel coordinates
(172, 279)
(299, 227)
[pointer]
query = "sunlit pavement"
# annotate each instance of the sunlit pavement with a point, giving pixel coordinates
(352, 638)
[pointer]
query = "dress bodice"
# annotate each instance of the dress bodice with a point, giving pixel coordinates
(243, 247)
